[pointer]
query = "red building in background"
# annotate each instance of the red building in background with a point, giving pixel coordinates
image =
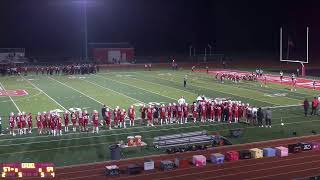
(112, 52)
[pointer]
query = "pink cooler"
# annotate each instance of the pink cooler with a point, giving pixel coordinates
(281, 151)
(316, 146)
(199, 160)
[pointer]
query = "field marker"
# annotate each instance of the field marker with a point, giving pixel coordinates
(127, 133)
(137, 87)
(219, 91)
(45, 93)
(78, 91)
(112, 90)
(10, 98)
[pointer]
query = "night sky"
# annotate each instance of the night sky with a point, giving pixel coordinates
(55, 27)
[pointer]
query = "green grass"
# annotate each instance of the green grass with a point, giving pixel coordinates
(124, 88)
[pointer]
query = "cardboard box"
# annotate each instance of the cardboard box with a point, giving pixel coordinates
(269, 152)
(281, 151)
(199, 160)
(232, 156)
(217, 158)
(256, 153)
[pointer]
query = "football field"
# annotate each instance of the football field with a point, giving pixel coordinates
(124, 88)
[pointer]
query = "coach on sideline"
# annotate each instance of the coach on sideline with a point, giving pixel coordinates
(103, 111)
(268, 117)
(314, 107)
(306, 107)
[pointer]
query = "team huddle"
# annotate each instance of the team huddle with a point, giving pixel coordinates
(203, 110)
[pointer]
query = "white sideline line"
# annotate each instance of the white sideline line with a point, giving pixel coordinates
(45, 94)
(11, 98)
(78, 91)
(219, 91)
(136, 87)
(147, 131)
(136, 127)
(112, 91)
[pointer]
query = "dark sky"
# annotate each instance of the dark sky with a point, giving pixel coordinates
(55, 27)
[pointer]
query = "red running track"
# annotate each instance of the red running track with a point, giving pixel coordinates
(275, 79)
(294, 166)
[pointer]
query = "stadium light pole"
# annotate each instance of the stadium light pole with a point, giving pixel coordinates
(85, 30)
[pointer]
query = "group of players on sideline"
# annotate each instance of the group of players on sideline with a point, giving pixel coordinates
(69, 69)
(203, 110)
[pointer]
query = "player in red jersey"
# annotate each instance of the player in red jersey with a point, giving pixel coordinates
(143, 114)
(19, 124)
(212, 112)
(80, 120)
(74, 121)
(174, 112)
(23, 120)
(29, 120)
(203, 112)
(85, 116)
(230, 113)
(66, 121)
(12, 123)
(294, 83)
(44, 122)
(95, 121)
(116, 117)
(236, 113)
(53, 122)
(150, 115)
(122, 118)
(39, 123)
(108, 118)
(163, 111)
(185, 112)
(180, 112)
(48, 119)
(219, 112)
(194, 112)
(169, 111)
(59, 125)
(132, 115)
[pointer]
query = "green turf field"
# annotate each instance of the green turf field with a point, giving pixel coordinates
(124, 88)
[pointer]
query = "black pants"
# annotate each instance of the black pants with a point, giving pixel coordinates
(184, 83)
(0, 129)
(305, 111)
(314, 111)
(259, 122)
(268, 122)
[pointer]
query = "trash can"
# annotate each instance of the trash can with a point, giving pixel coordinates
(115, 152)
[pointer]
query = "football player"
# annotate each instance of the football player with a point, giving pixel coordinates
(12, 123)
(163, 118)
(123, 115)
(185, 112)
(108, 118)
(149, 115)
(39, 123)
(59, 125)
(66, 121)
(85, 116)
(74, 121)
(194, 112)
(29, 120)
(95, 121)
(80, 120)
(132, 114)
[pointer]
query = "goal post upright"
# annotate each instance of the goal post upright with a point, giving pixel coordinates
(306, 61)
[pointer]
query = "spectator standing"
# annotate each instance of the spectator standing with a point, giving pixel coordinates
(260, 117)
(0, 126)
(185, 80)
(268, 117)
(314, 107)
(306, 107)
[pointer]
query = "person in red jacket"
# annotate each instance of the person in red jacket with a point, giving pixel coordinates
(315, 104)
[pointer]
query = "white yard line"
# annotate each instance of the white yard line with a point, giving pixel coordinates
(78, 91)
(139, 127)
(112, 90)
(137, 87)
(163, 85)
(2, 87)
(219, 91)
(45, 94)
